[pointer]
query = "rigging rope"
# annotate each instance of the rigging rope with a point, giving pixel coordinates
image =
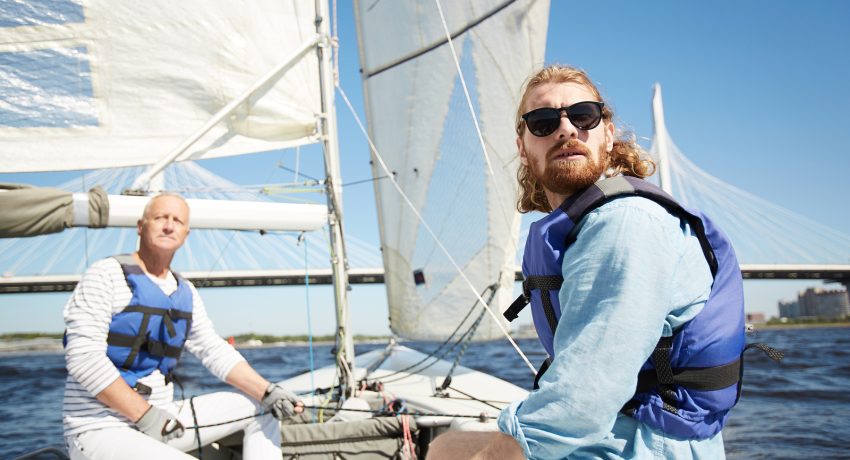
(448, 380)
(482, 416)
(434, 353)
(413, 371)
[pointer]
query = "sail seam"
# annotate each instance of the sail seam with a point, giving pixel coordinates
(438, 43)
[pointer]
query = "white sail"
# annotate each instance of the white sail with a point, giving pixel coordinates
(422, 127)
(104, 83)
(84, 88)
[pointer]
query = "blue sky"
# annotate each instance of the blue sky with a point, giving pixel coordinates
(755, 94)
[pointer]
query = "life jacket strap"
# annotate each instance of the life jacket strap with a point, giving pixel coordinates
(542, 370)
(146, 390)
(769, 351)
(135, 342)
(168, 316)
(512, 312)
(153, 347)
(702, 379)
(663, 378)
(664, 373)
(142, 389)
(544, 284)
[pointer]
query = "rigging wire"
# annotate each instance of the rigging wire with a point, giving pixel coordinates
(440, 347)
(448, 380)
(428, 229)
(413, 371)
(364, 180)
(297, 173)
(303, 238)
(475, 121)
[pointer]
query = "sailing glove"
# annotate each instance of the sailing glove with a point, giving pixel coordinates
(280, 401)
(160, 425)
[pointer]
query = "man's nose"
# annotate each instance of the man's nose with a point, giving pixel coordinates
(565, 127)
(168, 225)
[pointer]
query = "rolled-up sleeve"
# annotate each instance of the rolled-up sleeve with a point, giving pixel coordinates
(619, 278)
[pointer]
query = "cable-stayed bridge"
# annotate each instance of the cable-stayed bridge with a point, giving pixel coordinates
(771, 242)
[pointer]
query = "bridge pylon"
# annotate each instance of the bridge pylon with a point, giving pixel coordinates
(662, 141)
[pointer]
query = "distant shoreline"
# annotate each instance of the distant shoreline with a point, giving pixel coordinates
(800, 326)
(52, 343)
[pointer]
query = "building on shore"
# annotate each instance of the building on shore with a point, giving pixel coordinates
(756, 318)
(817, 303)
(789, 309)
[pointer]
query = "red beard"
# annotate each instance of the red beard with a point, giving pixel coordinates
(565, 176)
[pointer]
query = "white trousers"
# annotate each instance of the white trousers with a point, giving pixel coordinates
(261, 440)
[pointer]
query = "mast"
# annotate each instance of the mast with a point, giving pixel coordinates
(661, 140)
(330, 142)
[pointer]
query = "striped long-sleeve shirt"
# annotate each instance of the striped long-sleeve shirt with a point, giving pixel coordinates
(102, 293)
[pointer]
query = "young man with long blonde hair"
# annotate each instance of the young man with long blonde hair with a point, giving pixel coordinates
(636, 299)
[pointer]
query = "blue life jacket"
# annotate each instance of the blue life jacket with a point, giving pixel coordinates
(692, 380)
(150, 332)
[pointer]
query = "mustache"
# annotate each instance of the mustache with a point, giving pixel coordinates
(571, 144)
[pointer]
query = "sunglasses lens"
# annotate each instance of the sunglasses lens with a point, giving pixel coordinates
(585, 115)
(543, 122)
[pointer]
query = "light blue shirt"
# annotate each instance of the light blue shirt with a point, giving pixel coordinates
(634, 274)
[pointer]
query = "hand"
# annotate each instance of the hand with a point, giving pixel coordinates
(280, 401)
(160, 425)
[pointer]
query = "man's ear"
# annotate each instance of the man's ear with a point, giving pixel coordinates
(521, 148)
(609, 137)
(139, 227)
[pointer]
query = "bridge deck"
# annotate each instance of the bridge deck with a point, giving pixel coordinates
(63, 283)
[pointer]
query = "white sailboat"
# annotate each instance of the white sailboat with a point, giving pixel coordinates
(150, 83)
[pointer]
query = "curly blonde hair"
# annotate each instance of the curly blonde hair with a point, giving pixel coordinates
(626, 158)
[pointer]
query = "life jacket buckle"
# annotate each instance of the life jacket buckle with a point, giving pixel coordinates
(142, 389)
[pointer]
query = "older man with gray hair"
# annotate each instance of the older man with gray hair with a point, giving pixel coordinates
(127, 322)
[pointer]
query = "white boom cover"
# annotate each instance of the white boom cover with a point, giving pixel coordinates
(422, 127)
(105, 83)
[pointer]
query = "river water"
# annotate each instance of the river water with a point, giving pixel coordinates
(796, 409)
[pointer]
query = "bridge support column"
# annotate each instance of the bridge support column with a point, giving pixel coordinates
(846, 284)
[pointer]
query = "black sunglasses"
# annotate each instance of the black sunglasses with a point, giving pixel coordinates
(545, 120)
